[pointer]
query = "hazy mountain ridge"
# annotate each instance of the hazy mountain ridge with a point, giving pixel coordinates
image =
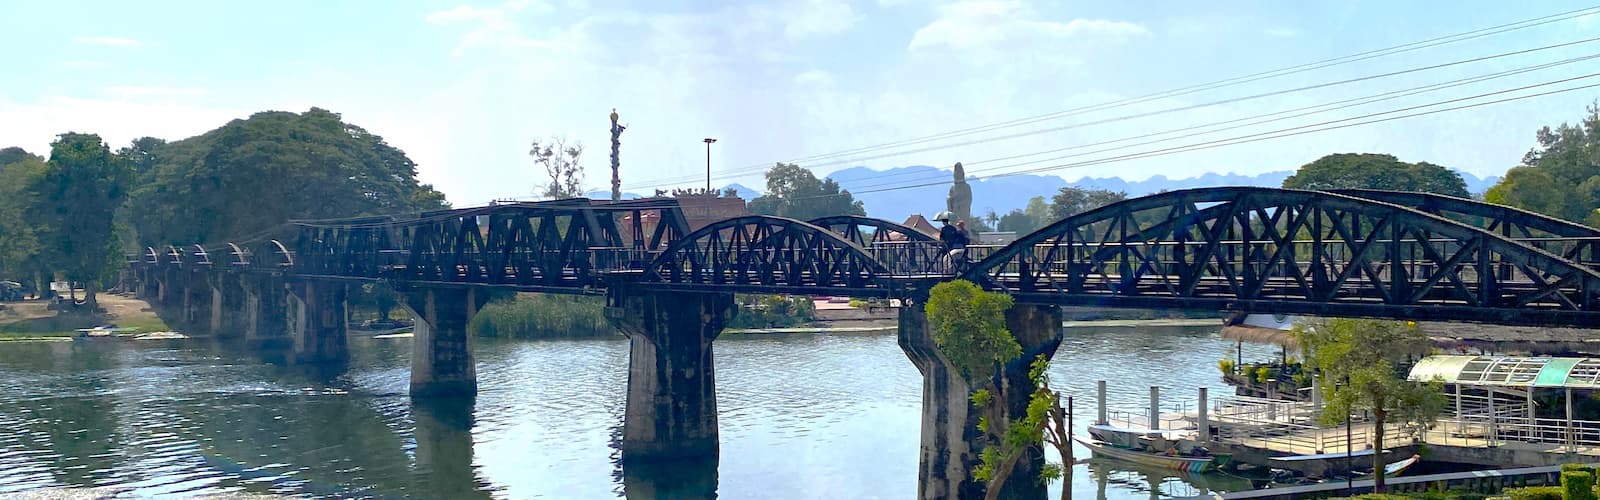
(875, 188)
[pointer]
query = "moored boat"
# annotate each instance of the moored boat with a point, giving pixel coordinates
(1169, 459)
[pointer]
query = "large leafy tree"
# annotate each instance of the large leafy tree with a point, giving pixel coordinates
(254, 174)
(76, 199)
(1360, 359)
(796, 193)
(1027, 219)
(19, 245)
(143, 153)
(1559, 177)
(1376, 171)
(1073, 200)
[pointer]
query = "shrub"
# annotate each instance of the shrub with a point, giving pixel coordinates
(1577, 485)
(1226, 365)
(772, 311)
(1263, 374)
(1535, 493)
(1578, 468)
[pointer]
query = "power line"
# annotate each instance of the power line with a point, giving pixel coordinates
(1408, 47)
(1371, 54)
(1276, 134)
(1302, 111)
(1205, 105)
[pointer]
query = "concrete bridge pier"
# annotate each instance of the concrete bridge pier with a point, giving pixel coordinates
(672, 392)
(441, 349)
(227, 301)
(951, 442)
(265, 312)
(316, 320)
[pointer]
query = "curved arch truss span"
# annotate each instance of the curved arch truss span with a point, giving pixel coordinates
(762, 253)
(1272, 250)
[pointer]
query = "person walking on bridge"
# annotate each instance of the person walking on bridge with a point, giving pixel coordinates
(954, 240)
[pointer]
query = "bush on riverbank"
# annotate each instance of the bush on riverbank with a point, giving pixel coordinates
(541, 316)
(772, 311)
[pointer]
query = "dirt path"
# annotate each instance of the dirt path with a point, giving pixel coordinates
(33, 318)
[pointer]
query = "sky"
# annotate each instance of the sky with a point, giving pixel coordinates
(464, 87)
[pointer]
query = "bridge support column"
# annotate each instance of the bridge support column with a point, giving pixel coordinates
(951, 442)
(441, 349)
(672, 393)
(266, 314)
(316, 318)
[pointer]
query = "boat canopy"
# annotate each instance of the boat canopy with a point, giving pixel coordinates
(1510, 371)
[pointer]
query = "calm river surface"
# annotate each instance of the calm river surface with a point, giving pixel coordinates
(802, 416)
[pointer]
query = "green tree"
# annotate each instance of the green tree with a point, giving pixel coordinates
(19, 247)
(796, 193)
(1376, 171)
(1560, 176)
(969, 326)
(1361, 359)
(560, 162)
(143, 153)
(77, 199)
(255, 174)
(1073, 200)
(1029, 219)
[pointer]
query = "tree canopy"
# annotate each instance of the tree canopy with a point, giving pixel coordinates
(1028, 219)
(1359, 360)
(75, 201)
(20, 246)
(1072, 200)
(253, 174)
(1560, 176)
(796, 193)
(1376, 171)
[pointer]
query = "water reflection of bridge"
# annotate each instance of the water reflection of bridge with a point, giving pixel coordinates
(669, 286)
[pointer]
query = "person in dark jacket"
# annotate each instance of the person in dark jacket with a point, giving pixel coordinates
(954, 239)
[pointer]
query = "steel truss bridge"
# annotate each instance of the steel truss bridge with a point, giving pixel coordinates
(1344, 253)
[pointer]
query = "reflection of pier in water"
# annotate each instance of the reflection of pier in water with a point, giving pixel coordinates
(1159, 483)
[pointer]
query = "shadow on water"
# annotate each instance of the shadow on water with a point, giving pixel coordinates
(444, 448)
(672, 480)
(678, 479)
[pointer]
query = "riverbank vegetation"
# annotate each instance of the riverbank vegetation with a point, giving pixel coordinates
(543, 316)
(772, 311)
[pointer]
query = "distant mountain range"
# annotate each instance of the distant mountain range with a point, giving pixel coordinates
(880, 192)
(876, 188)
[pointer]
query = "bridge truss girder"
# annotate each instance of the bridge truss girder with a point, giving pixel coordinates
(1271, 250)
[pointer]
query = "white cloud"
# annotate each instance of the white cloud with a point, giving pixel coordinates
(33, 125)
(973, 24)
(108, 41)
(492, 26)
(818, 17)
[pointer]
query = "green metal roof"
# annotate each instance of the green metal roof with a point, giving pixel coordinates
(1509, 371)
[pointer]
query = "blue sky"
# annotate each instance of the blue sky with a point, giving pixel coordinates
(463, 87)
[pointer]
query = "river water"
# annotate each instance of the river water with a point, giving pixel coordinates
(802, 416)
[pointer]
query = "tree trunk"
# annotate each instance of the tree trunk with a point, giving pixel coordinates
(89, 302)
(1377, 449)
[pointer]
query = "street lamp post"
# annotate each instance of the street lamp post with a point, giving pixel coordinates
(708, 164)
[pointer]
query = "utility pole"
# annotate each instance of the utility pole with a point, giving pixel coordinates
(708, 164)
(616, 157)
